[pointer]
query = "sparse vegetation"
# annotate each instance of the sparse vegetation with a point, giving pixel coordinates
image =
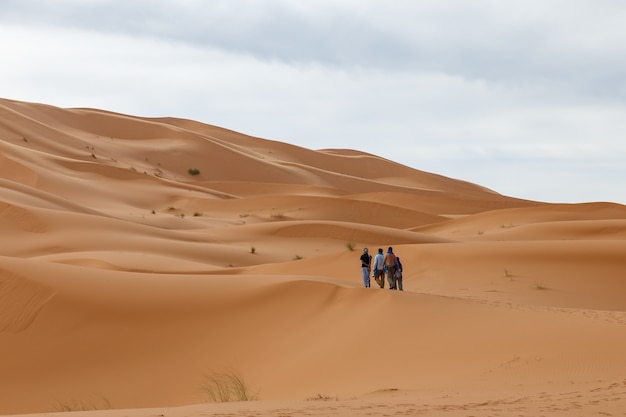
(193, 171)
(73, 405)
(350, 246)
(176, 211)
(540, 286)
(198, 214)
(297, 258)
(322, 397)
(225, 386)
(252, 250)
(507, 273)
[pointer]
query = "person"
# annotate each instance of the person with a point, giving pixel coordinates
(391, 265)
(366, 263)
(379, 268)
(398, 274)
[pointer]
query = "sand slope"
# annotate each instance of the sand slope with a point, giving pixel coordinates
(126, 279)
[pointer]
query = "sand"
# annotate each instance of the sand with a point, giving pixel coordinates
(140, 257)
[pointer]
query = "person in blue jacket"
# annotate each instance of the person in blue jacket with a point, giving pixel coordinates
(379, 268)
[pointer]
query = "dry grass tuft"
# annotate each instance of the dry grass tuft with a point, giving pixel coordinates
(73, 405)
(226, 386)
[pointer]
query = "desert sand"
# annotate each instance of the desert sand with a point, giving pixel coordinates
(141, 256)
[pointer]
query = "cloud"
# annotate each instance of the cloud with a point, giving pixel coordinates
(427, 35)
(562, 44)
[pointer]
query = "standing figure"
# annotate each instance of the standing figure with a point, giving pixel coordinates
(391, 266)
(379, 268)
(399, 274)
(366, 263)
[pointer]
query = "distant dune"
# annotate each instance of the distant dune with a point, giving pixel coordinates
(140, 257)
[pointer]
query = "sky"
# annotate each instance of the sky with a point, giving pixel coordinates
(527, 98)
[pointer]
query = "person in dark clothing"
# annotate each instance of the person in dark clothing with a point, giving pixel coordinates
(366, 264)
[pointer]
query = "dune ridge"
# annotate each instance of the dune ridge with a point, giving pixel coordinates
(139, 255)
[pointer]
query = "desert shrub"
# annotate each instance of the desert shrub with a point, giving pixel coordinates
(226, 386)
(322, 397)
(193, 171)
(73, 405)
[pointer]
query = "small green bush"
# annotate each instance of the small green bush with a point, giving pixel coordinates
(193, 171)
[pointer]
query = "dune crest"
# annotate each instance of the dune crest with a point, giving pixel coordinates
(141, 255)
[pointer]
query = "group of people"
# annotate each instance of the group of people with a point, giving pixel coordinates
(387, 264)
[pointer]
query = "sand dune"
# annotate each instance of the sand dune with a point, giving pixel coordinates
(141, 256)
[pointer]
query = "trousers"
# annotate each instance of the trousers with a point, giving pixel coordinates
(391, 272)
(380, 278)
(365, 272)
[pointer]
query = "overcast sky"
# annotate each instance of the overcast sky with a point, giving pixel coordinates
(527, 98)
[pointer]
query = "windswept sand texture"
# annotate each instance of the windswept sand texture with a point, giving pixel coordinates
(125, 280)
